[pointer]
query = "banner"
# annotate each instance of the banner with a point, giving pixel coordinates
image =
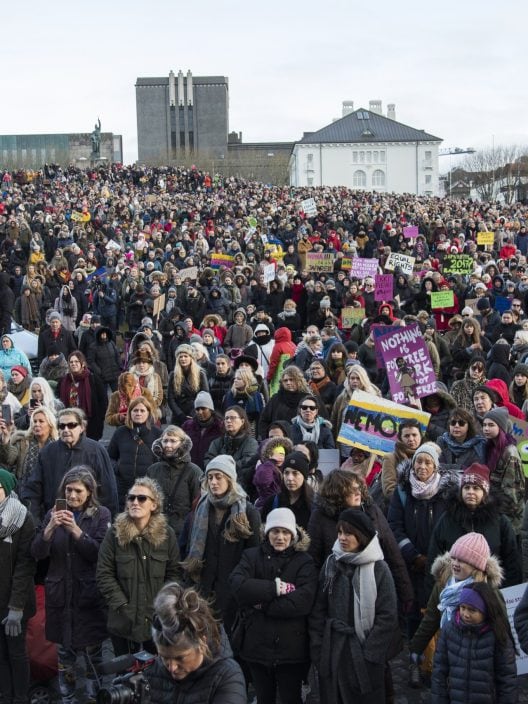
(218, 260)
(371, 423)
(309, 207)
(502, 303)
(346, 263)
(320, 262)
(457, 264)
(408, 364)
(512, 597)
(442, 299)
(269, 273)
(361, 268)
(378, 331)
(485, 238)
(410, 232)
(351, 316)
(520, 433)
(384, 287)
(400, 261)
(190, 273)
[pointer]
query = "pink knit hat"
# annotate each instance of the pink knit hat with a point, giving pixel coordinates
(473, 549)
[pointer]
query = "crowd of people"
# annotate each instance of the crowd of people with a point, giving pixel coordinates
(180, 317)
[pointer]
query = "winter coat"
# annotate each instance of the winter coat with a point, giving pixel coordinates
(389, 474)
(182, 404)
(103, 357)
(458, 456)
(219, 385)
(520, 620)
(114, 405)
(301, 508)
(17, 587)
(131, 569)
(238, 336)
(10, 358)
(326, 439)
(282, 406)
(470, 665)
(242, 449)
(507, 486)
(55, 459)
(275, 627)
(267, 479)
(99, 403)
(202, 436)
(322, 529)
(283, 350)
(75, 610)
(439, 422)
(167, 472)
(217, 681)
(64, 341)
(412, 521)
(131, 451)
(486, 520)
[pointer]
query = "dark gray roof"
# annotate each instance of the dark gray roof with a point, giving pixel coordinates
(366, 126)
(164, 80)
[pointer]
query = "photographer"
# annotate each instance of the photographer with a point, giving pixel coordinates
(195, 662)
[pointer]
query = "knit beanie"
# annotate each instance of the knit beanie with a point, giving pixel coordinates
(472, 598)
(359, 520)
(467, 311)
(473, 549)
(297, 460)
(483, 303)
(521, 369)
(477, 474)
(55, 316)
(494, 396)
(281, 518)
(501, 417)
(7, 481)
(20, 369)
(204, 400)
(208, 331)
(225, 464)
(431, 449)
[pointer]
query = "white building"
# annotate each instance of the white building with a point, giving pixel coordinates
(366, 150)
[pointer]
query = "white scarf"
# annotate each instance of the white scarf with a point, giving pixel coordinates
(427, 489)
(309, 431)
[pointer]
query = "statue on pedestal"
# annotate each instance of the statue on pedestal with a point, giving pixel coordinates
(96, 140)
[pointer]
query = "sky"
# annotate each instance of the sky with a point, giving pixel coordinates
(456, 70)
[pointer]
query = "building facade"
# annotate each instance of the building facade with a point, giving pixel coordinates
(180, 116)
(366, 150)
(32, 151)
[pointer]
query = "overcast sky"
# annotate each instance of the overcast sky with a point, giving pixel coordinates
(455, 69)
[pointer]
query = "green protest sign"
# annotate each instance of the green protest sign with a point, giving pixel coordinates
(351, 316)
(442, 299)
(457, 264)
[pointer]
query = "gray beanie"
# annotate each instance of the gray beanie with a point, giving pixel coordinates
(225, 464)
(55, 316)
(431, 449)
(501, 417)
(204, 400)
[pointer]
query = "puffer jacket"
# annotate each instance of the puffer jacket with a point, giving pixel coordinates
(267, 478)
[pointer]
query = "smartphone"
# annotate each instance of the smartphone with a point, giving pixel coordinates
(7, 415)
(61, 505)
(33, 403)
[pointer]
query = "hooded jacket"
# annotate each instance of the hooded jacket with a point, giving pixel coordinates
(283, 350)
(10, 358)
(238, 336)
(500, 387)
(103, 356)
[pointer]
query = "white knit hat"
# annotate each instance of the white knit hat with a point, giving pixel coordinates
(281, 518)
(225, 464)
(431, 449)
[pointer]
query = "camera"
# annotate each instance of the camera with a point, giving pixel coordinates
(131, 687)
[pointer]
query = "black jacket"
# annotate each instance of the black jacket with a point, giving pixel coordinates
(64, 342)
(103, 357)
(182, 404)
(17, 589)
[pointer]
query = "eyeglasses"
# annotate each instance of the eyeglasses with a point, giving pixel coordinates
(308, 408)
(70, 426)
(138, 497)
(460, 423)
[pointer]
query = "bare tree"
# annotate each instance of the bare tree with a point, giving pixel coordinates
(496, 170)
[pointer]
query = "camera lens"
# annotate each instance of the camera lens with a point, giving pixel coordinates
(118, 694)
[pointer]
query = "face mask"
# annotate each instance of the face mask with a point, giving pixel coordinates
(262, 339)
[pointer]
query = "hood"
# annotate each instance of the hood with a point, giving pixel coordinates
(155, 532)
(500, 353)
(441, 391)
(100, 331)
(441, 570)
(182, 454)
(241, 310)
(500, 387)
(268, 446)
(7, 337)
(282, 335)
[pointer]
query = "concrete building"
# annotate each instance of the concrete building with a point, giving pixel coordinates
(179, 116)
(366, 150)
(32, 151)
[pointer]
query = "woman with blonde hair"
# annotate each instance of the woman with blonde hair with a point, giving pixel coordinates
(244, 393)
(41, 394)
(201, 355)
(185, 381)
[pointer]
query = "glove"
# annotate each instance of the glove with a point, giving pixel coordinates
(13, 623)
(283, 587)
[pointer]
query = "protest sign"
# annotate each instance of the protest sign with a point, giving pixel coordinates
(502, 303)
(346, 263)
(190, 273)
(361, 268)
(410, 232)
(520, 433)
(442, 299)
(400, 261)
(269, 272)
(378, 331)
(218, 260)
(408, 364)
(158, 304)
(485, 238)
(350, 316)
(384, 287)
(512, 597)
(458, 264)
(328, 460)
(113, 245)
(371, 423)
(309, 207)
(320, 262)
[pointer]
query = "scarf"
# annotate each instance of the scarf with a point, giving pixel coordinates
(32, 455)
(124, 400)
(449, 597)
(12, 517)
(309, 431)
(78, 392)
(459, 448)
(236, 527)
(19, 390)
(427, 489)
(363, 582)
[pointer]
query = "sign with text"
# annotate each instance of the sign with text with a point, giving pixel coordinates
(408, 364)
(512, 596)
(269, 273)
(410, 232)
(378, 331)
(442, 299)
(485, 238)
(457, 264)
(351, 316)
(400, 261)
(520, 433)
(361, 268)
(320, 262)
(218, 260)
(309, 207)
(371, 423)
(190, 273)
(346, 263)
(384, 287)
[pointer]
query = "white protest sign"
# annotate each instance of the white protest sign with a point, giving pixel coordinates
(309, 207)
(400, 261)
(512, 596)
(112, 244)
(269, 273)
(190, 273)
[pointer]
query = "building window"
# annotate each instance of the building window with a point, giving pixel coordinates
(382, 157)
(375, 156)
(361, 157)
(309, 159)
(369, 157)
(191, 141)
(360, 179)
(354, 157)
(310, 181)
(182, 139)
(378, 178)
(428, 178)
(428, 156)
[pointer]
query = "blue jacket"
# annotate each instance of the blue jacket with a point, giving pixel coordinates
(11, 358)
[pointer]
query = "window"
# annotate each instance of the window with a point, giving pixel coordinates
(361, 157)
(354, 157)
(375, 156)
(360, 179)
(382, 157)
(428, 156)
(369, 157)
(428, 178)
(309, 158)
(191, 141)
(378, 178)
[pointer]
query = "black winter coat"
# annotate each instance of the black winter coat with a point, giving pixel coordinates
(275, 627)
(281, 406)
(103, 357)
(242, 449)
(75, 610)
(17, 589)
(302, 508)
(64, 341)
(182, 404)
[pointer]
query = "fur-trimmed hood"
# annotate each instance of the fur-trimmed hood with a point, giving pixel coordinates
(448, 478)
(441, 570)
(268, 446)
(154, 533)
(181, 456)
(301, 544)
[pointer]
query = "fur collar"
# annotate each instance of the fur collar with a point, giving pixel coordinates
(182, 455)
(126, 531)
(441, 570)
(268, 446)
(302, 544)
(482, 516)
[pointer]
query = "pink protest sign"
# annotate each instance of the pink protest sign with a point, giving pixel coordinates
(410, 232)
(384, 287)
(408, 364)
(361, 268)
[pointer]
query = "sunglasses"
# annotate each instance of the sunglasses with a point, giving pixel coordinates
(138, 497)
(70, 426)
(308, 408)
(460, 423)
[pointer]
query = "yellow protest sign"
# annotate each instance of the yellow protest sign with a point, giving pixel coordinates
(487, 238)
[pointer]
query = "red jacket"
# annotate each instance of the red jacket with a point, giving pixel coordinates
(283, 345)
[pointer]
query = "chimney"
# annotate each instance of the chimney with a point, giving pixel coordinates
(189, 88)
(348, 107)
(181, 95)
(172, 89)
(391, 111)
(375, 106)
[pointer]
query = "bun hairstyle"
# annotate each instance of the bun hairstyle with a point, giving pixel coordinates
(182, 618)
